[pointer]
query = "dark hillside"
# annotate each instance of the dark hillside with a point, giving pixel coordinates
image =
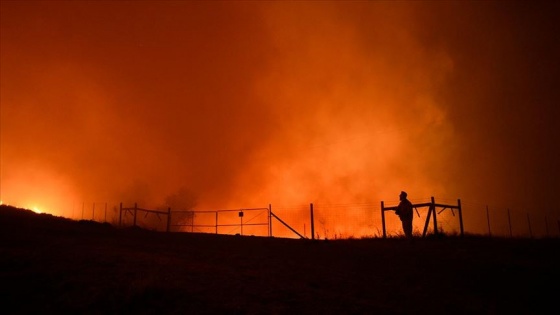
(54, 265)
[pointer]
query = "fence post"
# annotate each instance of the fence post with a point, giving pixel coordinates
(383, 219)
(120, 214)
(168, 218)
(427, 224)
(460, 216)
(312, 222)
(269, 220)
(435, 216)
(241, 221)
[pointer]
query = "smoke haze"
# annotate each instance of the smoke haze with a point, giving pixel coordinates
(244, 104)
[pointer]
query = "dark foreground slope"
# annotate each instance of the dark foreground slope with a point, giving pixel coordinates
(53, 265)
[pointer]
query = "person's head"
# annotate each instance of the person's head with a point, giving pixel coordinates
(403, 195)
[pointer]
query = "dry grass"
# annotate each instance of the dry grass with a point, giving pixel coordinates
(54, 265)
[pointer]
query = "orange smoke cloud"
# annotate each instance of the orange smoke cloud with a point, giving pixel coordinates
(283, 103)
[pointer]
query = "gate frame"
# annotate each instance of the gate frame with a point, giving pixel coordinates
(216, 225)
(134, 212)
(431, 211)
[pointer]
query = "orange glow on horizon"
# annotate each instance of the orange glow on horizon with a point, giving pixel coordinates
(37, 190)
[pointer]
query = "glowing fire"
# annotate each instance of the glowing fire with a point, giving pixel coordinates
(36, 189)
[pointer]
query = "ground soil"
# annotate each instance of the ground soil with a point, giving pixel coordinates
(54, 265)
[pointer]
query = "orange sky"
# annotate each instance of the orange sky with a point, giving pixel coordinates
(245, 104)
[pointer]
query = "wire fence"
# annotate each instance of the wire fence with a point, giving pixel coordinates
(327, 221)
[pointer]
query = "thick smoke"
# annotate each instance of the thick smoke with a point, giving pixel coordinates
(245, 104)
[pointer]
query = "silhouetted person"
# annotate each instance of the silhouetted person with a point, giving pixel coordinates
(405, 213)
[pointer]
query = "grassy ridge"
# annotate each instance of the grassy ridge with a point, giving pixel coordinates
(51, 264)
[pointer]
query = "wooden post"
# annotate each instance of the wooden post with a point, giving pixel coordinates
(430, 210)
(383, 219)
(120, 214)
(529, 225)
(168, 219)
(241, 221)
(135, 211)
(509, 222)
(269, 220)
(435, 216)
(312, 222)
(488, 220)
(460, 216)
